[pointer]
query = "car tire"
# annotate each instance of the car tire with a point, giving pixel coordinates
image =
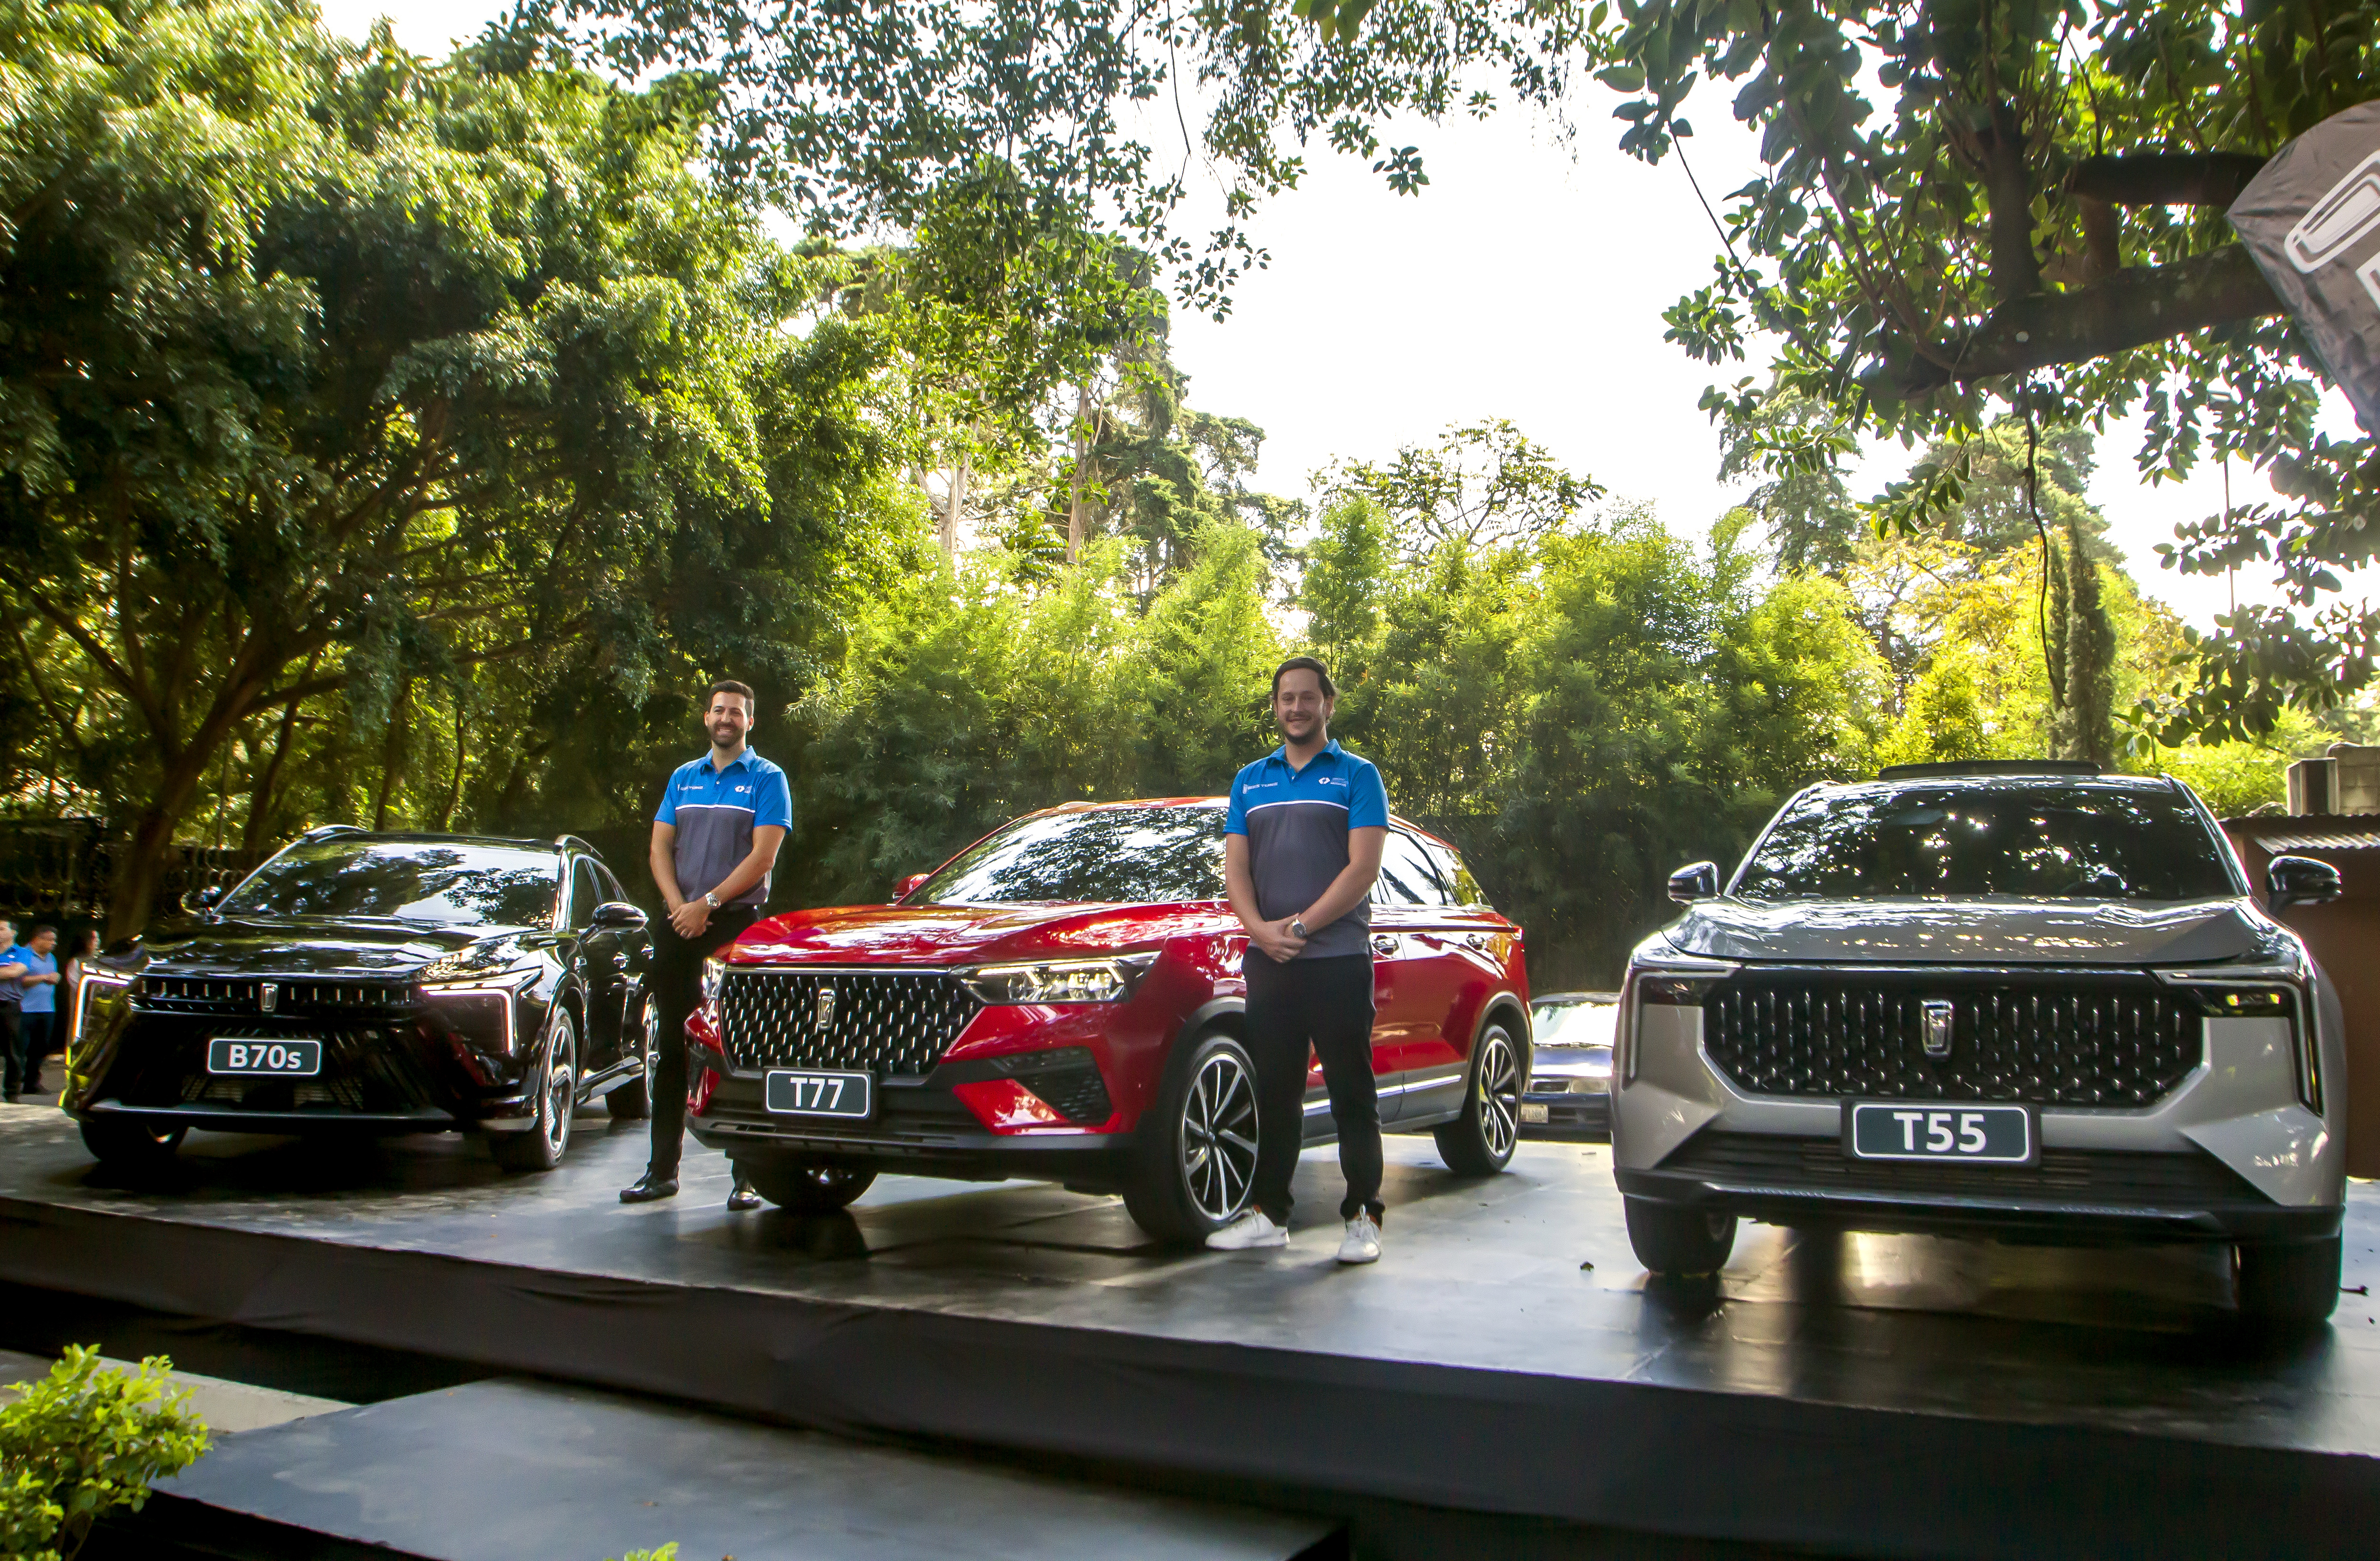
(1480, 1141)
(809, 1189)
(1194, 1155)
(2286, 1282)
(1678, 1239)
(131, 1145)
(543, 1145)
(633, 1102)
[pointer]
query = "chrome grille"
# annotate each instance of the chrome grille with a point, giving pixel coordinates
(887, 1022)
(217, 994)
(2113, 1041)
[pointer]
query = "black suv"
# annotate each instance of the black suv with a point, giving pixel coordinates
(368, 983)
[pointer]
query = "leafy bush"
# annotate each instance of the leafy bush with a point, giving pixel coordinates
(83, 1441)
(666, 1552)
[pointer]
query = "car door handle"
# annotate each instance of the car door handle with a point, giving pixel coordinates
(1384, 945)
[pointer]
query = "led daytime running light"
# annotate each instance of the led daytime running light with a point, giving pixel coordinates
(1061, 980)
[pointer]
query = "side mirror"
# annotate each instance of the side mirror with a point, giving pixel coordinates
(1696, 881)
(616, 916)
(200, 902)
(2300, 881)
(908, 885)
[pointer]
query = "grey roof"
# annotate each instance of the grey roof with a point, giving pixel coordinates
(2367, 841)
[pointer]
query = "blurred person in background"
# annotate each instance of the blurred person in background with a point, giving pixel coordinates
(12, 992)
(37, 1004)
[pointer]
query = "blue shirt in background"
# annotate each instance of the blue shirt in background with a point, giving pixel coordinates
(41, 999)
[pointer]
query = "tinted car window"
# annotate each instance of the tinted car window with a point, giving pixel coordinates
(584, 896)
(2048, 842)
(1454, 875)
(452, 883)
(1407, 876)
(1110, 854)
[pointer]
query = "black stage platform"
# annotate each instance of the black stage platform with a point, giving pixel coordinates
(1868, 1396)
(505, 1470)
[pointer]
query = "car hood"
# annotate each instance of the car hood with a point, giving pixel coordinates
(310, 949)
(968, 934)
(1971, 931)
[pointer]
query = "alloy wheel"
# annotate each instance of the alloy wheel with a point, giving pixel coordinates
(561, 1091)
(1218, 1137)
(1499, 1095)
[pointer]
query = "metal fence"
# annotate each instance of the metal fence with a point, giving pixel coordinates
(61, 868)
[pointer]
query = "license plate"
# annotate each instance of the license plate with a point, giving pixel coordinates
(1534, 1112)
(1983, 1135)
(249, 1055)
(792, 1094)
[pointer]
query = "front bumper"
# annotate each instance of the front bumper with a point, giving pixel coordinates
(919, 1127)
(2228, 1153)
(1552, 1110)
(2073, 1196)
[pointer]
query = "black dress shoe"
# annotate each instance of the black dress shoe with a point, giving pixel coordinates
(743, 1198)
(649, 1189)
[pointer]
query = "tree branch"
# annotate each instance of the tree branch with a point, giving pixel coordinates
(2211, 179)
(2007, 184)
(2136, 306)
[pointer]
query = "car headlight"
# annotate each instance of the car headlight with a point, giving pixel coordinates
(97, 992)
(1061, 980)
(714, 976)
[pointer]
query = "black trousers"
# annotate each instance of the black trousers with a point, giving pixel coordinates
(674, 986)
(1324, 1004)
(35, 1038)
(12, 1052)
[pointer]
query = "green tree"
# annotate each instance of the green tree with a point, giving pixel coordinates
(2085, 724)
(333, 372)
(1481, 486)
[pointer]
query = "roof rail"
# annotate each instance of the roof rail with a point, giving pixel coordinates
(321, 830)
(1990, 767)
(566, 841)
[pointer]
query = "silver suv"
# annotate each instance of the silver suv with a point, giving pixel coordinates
(2030, 1001)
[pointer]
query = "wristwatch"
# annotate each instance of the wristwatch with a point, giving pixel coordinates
(711, 899)
(1297, 928)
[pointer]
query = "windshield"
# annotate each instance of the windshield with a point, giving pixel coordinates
(454, 883)
(2037, 842)
(1112, 855)
(1575, 1024)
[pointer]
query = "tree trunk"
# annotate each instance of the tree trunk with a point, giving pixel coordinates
(141, 865)
(392, 753)
(1081, 454)
(955, 510)
(454, 789)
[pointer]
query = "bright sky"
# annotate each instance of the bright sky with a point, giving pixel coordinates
(1527, 281)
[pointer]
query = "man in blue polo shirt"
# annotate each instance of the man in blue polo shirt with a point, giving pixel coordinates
(715, 839)
(1302, 845)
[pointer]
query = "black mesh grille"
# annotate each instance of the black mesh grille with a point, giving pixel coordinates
(2116, 1041)
(1068, 1078)
(164, 1062)
(218, 994)
(2192, 1179)
(882, 1021)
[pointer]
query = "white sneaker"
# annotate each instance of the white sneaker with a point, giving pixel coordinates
(1251, 1229)
(1363, 1243)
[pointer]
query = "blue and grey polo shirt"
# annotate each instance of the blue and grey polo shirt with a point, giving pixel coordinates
(1297, 821)
(715, 811)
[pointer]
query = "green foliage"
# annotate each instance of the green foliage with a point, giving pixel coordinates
(82, 1442)
(353, 406)
(1481, 486)
(666, 1552)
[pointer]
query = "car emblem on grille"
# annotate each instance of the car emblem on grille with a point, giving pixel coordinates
(268, 996)
(1938, 1014)
(826, 1008)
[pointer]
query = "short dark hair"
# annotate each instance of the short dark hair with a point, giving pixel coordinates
(1310, 664)
(39, 928)
(729, 685)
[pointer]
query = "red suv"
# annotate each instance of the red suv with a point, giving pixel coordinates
(1061, 1000)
